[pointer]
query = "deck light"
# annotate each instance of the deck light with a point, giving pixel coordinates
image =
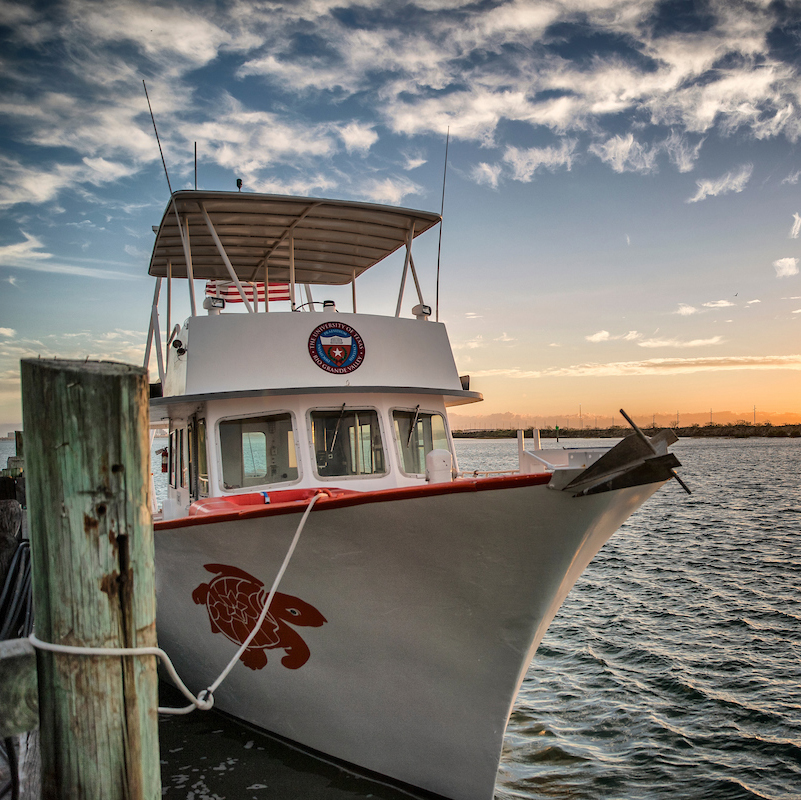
(214, 304)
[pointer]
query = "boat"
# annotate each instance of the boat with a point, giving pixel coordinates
(416, 596)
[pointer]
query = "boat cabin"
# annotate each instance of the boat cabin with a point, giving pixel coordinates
(268, 393)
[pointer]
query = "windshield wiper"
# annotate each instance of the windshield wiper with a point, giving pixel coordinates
(414, 425)
(336, 430)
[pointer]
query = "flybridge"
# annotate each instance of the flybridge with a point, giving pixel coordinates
(271, 238)
(240, 243)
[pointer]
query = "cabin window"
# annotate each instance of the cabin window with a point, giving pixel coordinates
(173, 459)
(181, 459)
(257, 451)
(198, 462)
(347, 442)
(202, 460)
(418, 433)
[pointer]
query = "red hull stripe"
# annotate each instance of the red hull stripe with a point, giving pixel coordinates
(339, 498)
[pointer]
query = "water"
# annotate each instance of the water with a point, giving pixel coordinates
(674, 667)
(673, 670)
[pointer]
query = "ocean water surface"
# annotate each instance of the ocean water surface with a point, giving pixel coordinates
(673, 669)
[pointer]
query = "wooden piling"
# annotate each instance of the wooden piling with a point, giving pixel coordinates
(91, 533)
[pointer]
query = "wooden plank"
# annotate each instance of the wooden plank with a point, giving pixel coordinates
(19, 703)
(87, 466)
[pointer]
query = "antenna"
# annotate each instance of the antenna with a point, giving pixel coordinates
(441, 212)
(195, 166)
(163, 163)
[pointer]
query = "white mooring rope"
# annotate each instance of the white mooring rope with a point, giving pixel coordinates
(204, 699)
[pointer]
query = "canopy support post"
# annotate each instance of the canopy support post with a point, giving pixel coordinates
(416, 282)
(155, 332)
(169, 301)
(353, 287)
(187, 256)
(405, 267)
(292, 268)
(266, 287)
(224, 256)
(309, 298)
(190, 272)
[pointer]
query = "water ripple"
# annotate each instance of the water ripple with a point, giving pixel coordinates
(672, 670)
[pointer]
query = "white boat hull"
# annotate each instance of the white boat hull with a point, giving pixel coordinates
(434, 605)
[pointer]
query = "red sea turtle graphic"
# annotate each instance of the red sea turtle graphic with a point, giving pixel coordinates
(235, 599)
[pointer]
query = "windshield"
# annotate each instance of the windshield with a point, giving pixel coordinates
(418, 433)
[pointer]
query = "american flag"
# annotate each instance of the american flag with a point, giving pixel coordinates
(228, 290)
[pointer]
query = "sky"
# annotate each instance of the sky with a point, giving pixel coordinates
(622, 212)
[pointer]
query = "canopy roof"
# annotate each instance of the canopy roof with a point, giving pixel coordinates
(332, 238)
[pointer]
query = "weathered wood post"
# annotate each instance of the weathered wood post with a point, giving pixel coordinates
(91, 534)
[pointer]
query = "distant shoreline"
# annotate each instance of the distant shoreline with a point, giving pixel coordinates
(731, 431)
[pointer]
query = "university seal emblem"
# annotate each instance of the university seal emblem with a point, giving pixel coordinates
(235, 599)
(336, 348)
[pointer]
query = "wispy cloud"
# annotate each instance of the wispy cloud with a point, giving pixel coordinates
(796, 229)
(792, 178)
(625, 154)
(488, 174)
(785, 267)
(525, 162)
(681, 343)
(9, 332)
(357, 137)
(29, 255)
(733, 181)
(653, 366)
(471, 66)
(685, 310)
(470, 344)
(605, 336)
(390, 189)
(683, 154)
(718, 304)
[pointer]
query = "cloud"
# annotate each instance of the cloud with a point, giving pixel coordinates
(685, 310)
(751, 302)
(717, 304)
(679, 343)
(29, 255)
(7, 332)
(470, 344)
(796, 229)
(390, 190)
(681, 153)
(605, 336)
(654, 366)
(785, 267)
(625, 154)
(358, 138)
(524, 162)
(792, 178)
(475, 67)
(733, 181)
(486, 174)
(413, 161)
